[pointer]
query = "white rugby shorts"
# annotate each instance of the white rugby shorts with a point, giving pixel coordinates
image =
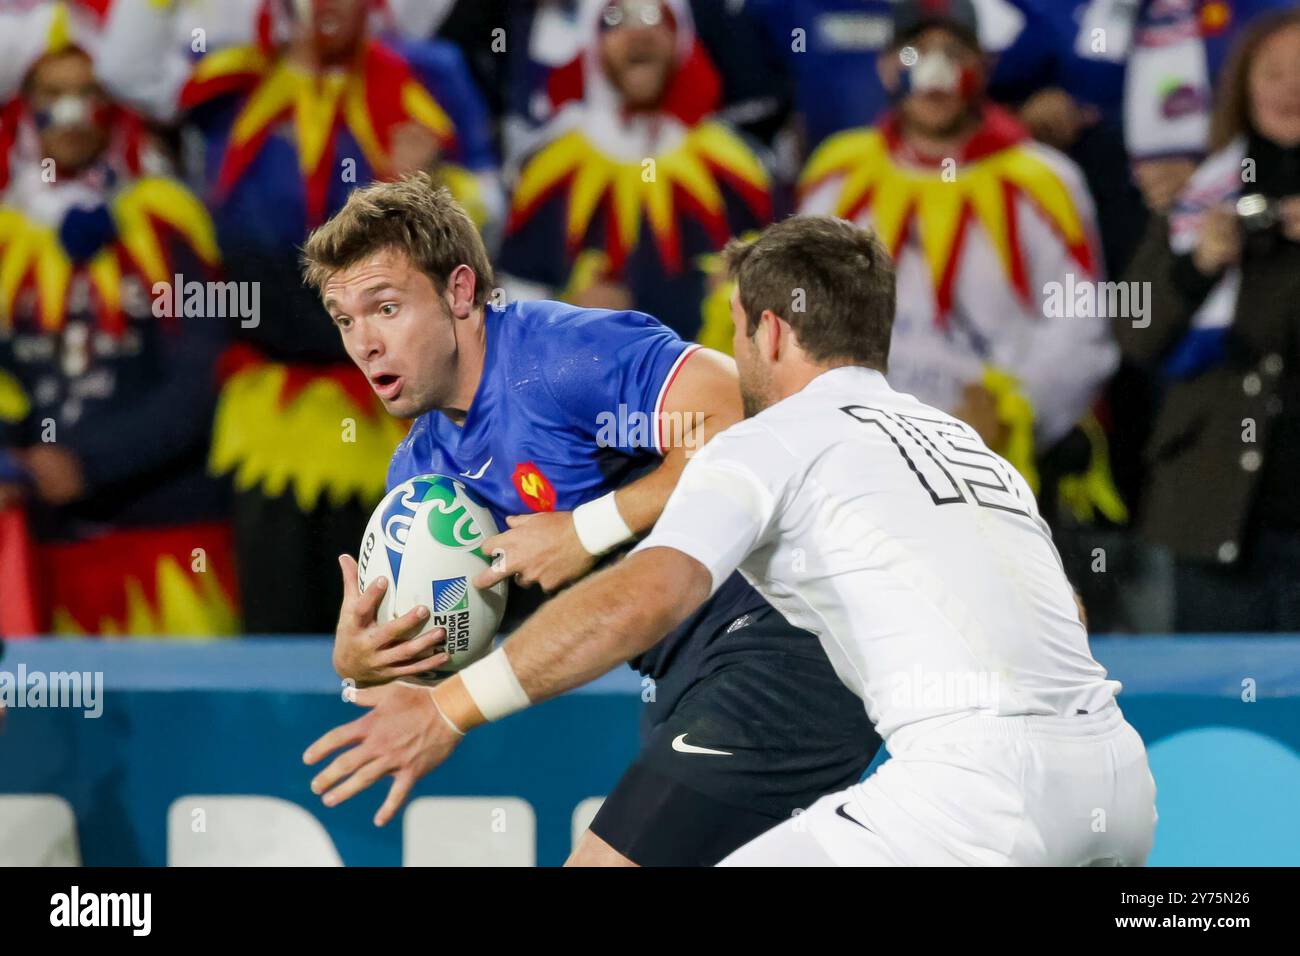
(983, 791)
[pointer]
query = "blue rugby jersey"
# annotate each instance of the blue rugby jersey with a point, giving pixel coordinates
(542, 433)
(566, 411)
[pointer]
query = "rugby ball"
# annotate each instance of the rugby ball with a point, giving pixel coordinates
(425, 538)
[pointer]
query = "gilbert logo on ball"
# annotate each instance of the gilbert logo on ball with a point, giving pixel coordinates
(426, 538)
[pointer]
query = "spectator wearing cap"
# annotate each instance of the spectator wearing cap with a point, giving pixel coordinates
(829, 49)
(1224, 334)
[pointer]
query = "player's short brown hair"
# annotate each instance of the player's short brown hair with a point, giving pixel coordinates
(830, 280)
(413, 215)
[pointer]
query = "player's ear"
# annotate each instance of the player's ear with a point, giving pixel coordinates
(769, 334)
(461, 286)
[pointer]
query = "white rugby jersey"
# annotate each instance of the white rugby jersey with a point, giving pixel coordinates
(889, 530)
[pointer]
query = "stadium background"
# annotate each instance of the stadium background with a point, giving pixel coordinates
(190, 507)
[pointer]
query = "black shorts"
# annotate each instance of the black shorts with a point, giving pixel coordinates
(759, 728)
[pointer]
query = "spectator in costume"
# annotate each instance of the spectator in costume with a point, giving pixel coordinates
(752, 89)
(982, 221)
(634, 180)
(829, 49)
(106, 394)
(289, 125)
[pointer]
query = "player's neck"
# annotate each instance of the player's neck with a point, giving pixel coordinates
(797, 377)
(471, 358)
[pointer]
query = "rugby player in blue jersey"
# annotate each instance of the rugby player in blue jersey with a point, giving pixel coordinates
(573, 425)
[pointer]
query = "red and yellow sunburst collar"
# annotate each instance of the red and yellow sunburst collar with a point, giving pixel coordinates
(148, 215)
(994, 168)
(686, 181)
(380, 92)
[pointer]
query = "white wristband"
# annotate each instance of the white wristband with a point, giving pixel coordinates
(599, 525)
(494, 687)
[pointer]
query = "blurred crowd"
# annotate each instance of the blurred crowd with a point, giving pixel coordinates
(1094, 207)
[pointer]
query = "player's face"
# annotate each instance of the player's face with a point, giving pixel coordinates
(757, 391)
(398, 330)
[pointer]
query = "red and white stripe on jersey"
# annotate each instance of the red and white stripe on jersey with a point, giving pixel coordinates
(663, 395)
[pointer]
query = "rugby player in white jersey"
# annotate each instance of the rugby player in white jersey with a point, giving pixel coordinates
(889, 530)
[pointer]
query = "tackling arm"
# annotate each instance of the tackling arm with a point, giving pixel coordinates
(592, 628)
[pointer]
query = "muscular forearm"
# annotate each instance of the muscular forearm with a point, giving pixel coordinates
(593, 627)
(566, 644)
(553, 550)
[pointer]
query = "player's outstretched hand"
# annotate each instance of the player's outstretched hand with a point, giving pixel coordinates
(368, 652)
(541, 549)
(403, 736)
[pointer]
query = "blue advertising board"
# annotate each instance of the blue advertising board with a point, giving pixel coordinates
(197, 721)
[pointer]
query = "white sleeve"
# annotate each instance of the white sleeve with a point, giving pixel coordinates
(726, 501)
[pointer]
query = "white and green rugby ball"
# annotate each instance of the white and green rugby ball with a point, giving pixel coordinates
(425, 538)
